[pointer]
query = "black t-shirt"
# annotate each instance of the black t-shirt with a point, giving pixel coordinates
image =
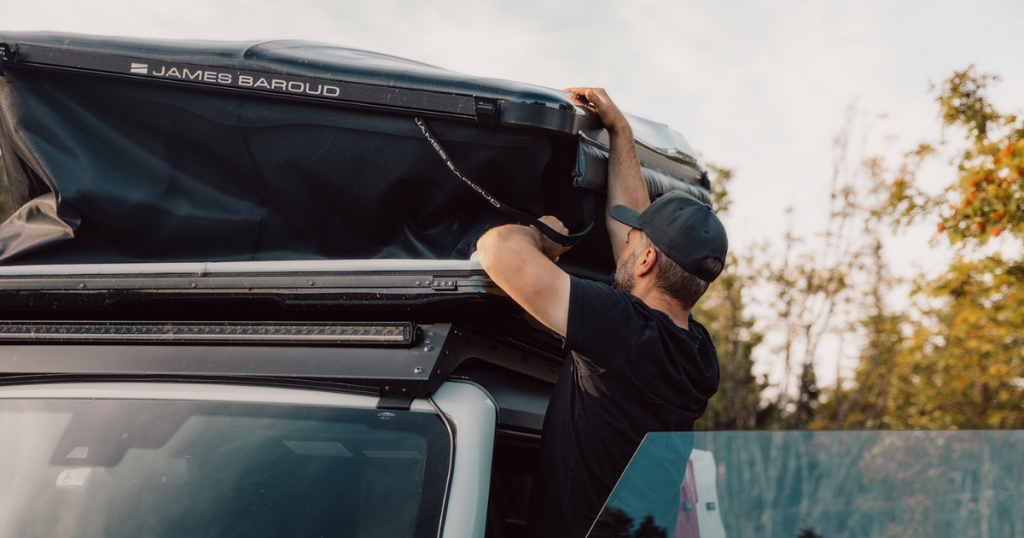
(631, 371)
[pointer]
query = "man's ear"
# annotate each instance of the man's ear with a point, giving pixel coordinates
(647, 262)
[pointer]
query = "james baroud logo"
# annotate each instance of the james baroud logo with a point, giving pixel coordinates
(237, 79)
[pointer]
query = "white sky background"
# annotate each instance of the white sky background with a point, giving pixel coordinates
(759, 87)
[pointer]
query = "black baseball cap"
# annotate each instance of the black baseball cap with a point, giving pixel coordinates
(683, 228)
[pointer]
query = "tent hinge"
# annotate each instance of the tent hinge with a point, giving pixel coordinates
(394, 403)
(7, 54)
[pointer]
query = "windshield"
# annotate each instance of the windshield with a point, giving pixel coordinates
(126, 468)
(820, 484)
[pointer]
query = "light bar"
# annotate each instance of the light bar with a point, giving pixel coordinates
(402, 333)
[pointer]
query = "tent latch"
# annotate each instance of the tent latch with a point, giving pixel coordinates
(7, 54)
(488, 111)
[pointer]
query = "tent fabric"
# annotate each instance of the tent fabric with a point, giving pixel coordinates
(109, 169)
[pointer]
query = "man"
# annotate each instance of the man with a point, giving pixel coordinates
(639, 362)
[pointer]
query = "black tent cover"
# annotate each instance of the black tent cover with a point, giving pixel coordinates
(132, 150)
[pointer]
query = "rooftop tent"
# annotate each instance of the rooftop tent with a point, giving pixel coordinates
(130, 150)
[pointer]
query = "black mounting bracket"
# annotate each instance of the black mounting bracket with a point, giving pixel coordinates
(7, 54)
(488, 111)
(705, 181)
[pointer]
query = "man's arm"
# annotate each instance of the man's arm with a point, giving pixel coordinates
(625, 181)
(521, 261)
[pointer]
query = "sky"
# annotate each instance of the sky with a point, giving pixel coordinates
(760, 87)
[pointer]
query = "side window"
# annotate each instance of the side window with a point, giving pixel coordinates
(668, 490)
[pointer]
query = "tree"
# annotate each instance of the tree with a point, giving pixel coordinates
(814, 291)
(737, 405)
(648, 529)
(988, 198)
(957, 363)
(613, 523)
(616, 523)
(722, 310)
(822, 284)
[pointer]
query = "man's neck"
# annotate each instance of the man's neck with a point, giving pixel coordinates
(660, 302)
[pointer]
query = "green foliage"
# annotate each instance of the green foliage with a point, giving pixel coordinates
(906, 202)
(955, 359)
(737, 406)
(6, 206)
(957, 362)
(988, 198)
(806, 298)
(616, 523)
(965, 103)
(960, 365)
(721, 177)
(722, 311)
(824, 282)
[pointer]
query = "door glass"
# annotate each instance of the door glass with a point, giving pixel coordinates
(820, 484)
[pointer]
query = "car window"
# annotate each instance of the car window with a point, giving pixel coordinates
(127, 468)
(820, 484)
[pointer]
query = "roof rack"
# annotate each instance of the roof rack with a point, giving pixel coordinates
(394, 358)
(413, 368)
(319, 275)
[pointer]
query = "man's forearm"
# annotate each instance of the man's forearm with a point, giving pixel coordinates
(504, 241)
(519, 260)
(625, 182)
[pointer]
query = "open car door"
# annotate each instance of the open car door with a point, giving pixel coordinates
(819, 484)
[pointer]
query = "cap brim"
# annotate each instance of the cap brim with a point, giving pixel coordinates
(626, 215)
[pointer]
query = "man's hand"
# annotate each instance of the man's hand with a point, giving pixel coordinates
(612, 118)
(551, 249)
(520, 260)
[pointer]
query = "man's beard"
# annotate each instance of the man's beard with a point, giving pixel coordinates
(624, 280)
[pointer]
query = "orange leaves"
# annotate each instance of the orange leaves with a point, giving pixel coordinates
(990, 197)
(898, 189)
(960, 365)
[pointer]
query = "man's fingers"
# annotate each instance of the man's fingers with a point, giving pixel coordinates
(610, 114)
(580, 96)
(551, 249)
(597, 96)
(581, 91)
